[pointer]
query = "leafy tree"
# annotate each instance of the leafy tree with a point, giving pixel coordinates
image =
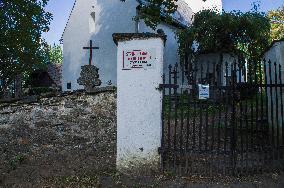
(55, 54)
(244, 34)
(277, 23)
(156, 10)
(22, 48)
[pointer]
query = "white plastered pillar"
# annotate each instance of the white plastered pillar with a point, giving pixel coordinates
(139, 102)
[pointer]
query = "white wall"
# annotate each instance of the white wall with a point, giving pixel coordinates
(111, 16)
(211, 58)
(198, 5)
(276, 55)
(139, 107)
(171, 55)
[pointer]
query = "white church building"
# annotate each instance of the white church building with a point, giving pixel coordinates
(97, 20)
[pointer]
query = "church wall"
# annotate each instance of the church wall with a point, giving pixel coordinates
(198, 5)
(207, 61)
(276, 55)
(110, 17)
(171, 56)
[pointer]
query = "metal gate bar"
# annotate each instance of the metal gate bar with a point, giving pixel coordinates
(238, 130)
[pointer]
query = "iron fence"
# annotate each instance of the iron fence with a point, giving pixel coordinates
(238, 129)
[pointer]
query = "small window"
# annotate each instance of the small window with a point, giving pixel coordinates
(69, 86)
(92, 22)
(93, 15)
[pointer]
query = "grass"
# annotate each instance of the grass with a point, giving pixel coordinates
(185, 105)
(16, 161)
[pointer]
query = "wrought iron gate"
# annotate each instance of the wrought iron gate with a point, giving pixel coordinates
(239, 129)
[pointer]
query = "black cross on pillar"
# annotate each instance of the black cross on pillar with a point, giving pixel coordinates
(91, 48)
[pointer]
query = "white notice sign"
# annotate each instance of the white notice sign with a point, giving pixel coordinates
(139, 59)
(203, 91)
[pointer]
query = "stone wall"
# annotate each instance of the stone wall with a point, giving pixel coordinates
(58, 136)
(55, 72)
(54, 111)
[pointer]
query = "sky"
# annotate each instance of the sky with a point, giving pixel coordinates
(61, 10)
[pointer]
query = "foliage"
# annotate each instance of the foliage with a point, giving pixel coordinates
(17, 160)
(22, 48)
(277, 23)
(233, 32)
(244, 34)
(157, 10)
(184, 109)
(55, 54)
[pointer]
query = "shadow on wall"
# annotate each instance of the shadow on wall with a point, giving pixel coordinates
(68, 78)
(112, 17)
(171, 56)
